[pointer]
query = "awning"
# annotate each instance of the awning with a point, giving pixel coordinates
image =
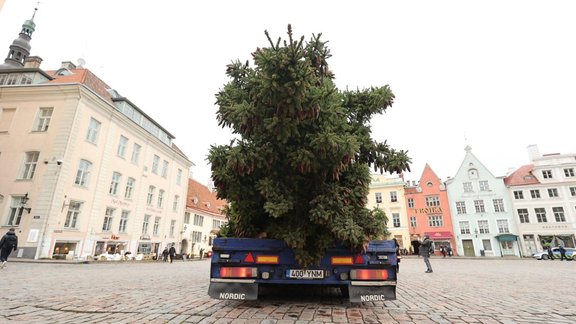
(439, 235)
(507, 237)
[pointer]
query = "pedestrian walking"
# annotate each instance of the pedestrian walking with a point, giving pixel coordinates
(165, 254)
(172, 253)
(449, 250)
(562, 253)
(550, 254)
(443, 251)
(201, 253)
(425, 248)
(8, 243)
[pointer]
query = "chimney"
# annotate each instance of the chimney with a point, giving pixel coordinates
(32, 62)
(533, 152)
(68, 65)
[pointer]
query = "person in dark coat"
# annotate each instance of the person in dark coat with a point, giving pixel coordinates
(425, 248)
(172, 253)
(8, 243)
(550, 253)
(165, 254)
(562, 253)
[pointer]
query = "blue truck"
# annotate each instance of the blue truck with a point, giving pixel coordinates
(240, 265)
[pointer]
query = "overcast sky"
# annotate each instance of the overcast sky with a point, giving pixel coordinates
(495, 75)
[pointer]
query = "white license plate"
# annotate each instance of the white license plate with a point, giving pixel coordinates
(305, 274)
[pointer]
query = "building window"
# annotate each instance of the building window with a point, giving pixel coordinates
(569, 172)
(464, 227)
(216, 223)
(196, 237)
(393, 196)
(559, 214)
(540, 215)
(115, 183)
(145, 224)
(175, 205)
(479, 206)
(396, 219)
(135, 153)
(503, 226)
(164, 169)
(107, 225)
(155, 164)
(6, 118)
(413, 223)
(93, 130)
(198, 220)
(122, 143)
(518, 194)
(487, 245)
(498, 205)
(123, 221)
(186, 218)
(483, 227)
(573, 191)
(547, 174)
(83, 173)
(535, 193)
(378, 196)
(523, 215)
(553, 193)
(468, 187)
(484, 186)
(156, 227)
(29, 167)
(179, 177)
(16, 211)
(43, 120)
(129, 188)
(73, 214)
(435, 220)
(172, 227)
(160, 198)
(432, 201)
(410, 202)
(150, 197)
(461, 207)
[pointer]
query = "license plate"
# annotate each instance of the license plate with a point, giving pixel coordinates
(305, 274)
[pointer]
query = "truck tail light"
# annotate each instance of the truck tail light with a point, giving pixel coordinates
(238, 272)
(341, 260)
(249, 257)
(369, 274)
(267, 259)
(359, 259)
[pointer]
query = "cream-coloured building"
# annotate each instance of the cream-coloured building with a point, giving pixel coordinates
(83, 170)
(387, 193)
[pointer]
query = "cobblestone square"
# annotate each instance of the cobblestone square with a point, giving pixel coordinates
(460, 290)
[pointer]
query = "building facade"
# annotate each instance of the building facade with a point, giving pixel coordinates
(387, 193)
(481, 211)
(429, 212)
(83, 171)
(543, 196)
(203, 218)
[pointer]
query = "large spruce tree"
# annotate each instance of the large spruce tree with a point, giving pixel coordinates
(299, 169)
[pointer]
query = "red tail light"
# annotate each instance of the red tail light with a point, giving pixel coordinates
(238, 272)
(369, 274)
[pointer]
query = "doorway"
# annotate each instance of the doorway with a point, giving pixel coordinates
(468, 248)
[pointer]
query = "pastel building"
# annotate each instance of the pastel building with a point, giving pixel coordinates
(83, 170)
(543, 195)
(481, 211)
(428, 210)
(387, 193)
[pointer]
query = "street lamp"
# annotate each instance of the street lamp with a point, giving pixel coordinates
(23, 202)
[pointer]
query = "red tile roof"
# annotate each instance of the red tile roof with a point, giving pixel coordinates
(202, 198)
(85, 77)
(522, 176)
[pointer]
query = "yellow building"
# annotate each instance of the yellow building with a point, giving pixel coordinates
(83, 171)
(387, 193)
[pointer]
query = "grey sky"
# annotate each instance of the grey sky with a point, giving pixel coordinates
(495, 75)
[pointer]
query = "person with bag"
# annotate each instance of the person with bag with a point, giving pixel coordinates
(172, 253)
(8, 243)
(425, 248)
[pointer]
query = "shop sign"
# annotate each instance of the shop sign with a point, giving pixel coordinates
(115, 237)
(428, 210)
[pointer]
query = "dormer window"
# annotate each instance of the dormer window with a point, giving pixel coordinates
(473, 174)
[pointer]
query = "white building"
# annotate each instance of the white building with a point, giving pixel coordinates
(481, 211)
(83, 171)
(543, 195)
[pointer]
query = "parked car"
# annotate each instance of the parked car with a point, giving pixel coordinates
(570, 254)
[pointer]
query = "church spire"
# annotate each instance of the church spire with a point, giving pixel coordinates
(20, 48)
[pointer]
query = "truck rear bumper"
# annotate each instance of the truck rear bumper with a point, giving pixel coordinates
(368, 293)
(233, 289)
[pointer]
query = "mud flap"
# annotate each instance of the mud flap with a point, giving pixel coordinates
(360, 294)
(233, 290)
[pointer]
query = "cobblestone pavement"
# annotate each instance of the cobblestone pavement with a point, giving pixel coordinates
(459, 291)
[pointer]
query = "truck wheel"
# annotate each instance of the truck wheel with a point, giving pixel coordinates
(345, 292)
